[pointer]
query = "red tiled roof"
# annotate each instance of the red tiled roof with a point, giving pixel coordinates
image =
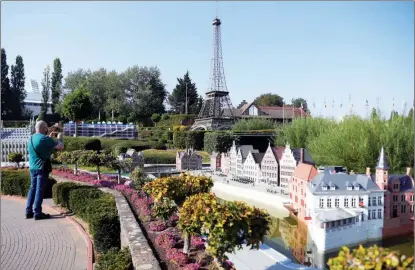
(305, 171)
(278, 151)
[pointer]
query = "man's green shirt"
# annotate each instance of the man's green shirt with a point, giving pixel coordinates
(44, 146)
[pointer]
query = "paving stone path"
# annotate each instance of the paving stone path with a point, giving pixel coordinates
(27, 244)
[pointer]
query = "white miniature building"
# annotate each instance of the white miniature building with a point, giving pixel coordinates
(252, 166)
(270, 166)
(188, 160)
(225, 163)
(339, 210)
(136, 157)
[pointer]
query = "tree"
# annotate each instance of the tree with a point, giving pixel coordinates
(144, 91)
(45, 91)
(94, 158)
(5, 87)
(77, 105)
(56, 83)
(243, 102)
(177, 99)
(97, 86)
(370, 258)
(300, 103)
(75, 79)
(115, 97)
(18, 92)
(269, 99)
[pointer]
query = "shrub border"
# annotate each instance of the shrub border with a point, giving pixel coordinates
(81, 230)
(131, 234)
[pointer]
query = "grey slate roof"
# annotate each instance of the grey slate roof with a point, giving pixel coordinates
(405, 181)
(382, 162)
(306, 157)
(245, 150)
(334, 214)
(341, 182)
(258, 157)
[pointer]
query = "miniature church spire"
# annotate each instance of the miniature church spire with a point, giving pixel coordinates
(382, 162)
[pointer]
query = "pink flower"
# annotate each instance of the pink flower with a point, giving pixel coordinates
(197, 242)
(157, 226)
(191, 266)
(177, 256)
(166, 240)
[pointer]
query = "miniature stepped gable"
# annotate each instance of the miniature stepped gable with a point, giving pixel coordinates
(136, 157)
(188, 160)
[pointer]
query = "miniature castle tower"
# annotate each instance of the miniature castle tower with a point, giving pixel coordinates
(382, 169)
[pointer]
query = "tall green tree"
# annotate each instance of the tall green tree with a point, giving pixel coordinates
(269, 99)
(177, 99)
(45, 91)
(5, 87)
(300, 103)
(77, 105)
(115, 97)
(243, 102)
(97, 85)
(145, 93)
(75, 79)
(18, 92)
(56, 83)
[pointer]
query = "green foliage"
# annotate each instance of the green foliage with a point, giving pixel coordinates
(45, 91)
(165, 117)
(16, 158)
(191, 139)
(370, 258)
(253, 124)
(269, 99)
(93, 144)
(300, 103)
(17, 182)
(177, 99)
(79, 143)
(152, 156)
(97, 208)
(164, 209)
(18, 93)
(77, 105)
(115, 259)
(219, 142)
(139, 178)
(353, 142)
(6, 107)
(93, 158)
(227, 226)
(174, 120)
(56, 83)
(155, 117)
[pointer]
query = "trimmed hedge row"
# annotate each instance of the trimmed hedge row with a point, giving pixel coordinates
(86, 143)
(115, 259)
(17, 182)
(97, 208)
(219, 142)
(194, 139)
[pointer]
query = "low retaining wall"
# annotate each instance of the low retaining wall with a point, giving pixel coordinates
(131, 233)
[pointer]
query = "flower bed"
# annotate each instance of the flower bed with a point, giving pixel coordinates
(166, 241)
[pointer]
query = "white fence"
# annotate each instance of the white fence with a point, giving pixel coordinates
(13, 140)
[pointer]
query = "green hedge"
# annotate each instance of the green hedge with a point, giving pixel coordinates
(17, 182)
(97, 208)
(182, 139)
(218, 141)
(152, 156)
(82, 143)
(115, 259)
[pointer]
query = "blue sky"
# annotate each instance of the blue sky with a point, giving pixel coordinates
(321, 51)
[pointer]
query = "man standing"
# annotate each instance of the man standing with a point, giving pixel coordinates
(40, 147)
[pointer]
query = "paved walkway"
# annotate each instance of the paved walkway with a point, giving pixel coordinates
(43, 244)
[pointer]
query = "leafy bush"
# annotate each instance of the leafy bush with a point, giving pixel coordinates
(219, 142)
(115, 259)
(79, 143)
(92, 158)
(165, 116)
(174, 120)
(16, 158)
(370, 258)
(99, 210)
(183, 139)
(166, 240)
(159, 156)
(139, 178)
(253, 124)
(17, 182)
(353, 142)
(93, 144)
(155, 117)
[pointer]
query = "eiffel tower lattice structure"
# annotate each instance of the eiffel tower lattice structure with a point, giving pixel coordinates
(216, 112)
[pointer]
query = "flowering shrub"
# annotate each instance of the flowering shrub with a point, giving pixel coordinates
(157, 226)
(197, 242)
(191, 266)
(176, 256)
(166, 240)
(173, 219)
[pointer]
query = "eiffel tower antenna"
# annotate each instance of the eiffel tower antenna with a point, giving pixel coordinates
(217, 111)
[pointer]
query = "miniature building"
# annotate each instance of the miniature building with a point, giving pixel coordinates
(215, 161)
(188, 160)
(136, 157)
(225, 163)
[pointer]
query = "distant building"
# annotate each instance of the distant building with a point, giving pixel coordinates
(188, 160)
(275, 113)
(399, 198)
(225, 163)
(215, 161)
(270, 165)
(252, 166)
(340, 210)
(33, 99)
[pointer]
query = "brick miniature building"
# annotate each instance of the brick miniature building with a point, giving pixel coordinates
(188, 160)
